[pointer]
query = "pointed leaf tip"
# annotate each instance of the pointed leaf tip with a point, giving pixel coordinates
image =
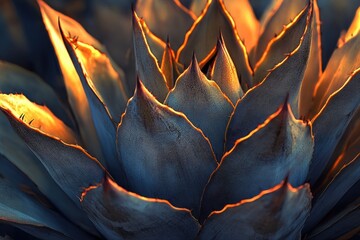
(280, 147)
(146, 64)
(203, 35)
(171, 148)
(120, 214)
(223, 72)
(276, 213)
(208, 107)
(247, 116)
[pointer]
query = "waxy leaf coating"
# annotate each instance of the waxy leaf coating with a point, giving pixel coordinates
(278, 213)
(281, 147)
(119, 214)
(163, 155)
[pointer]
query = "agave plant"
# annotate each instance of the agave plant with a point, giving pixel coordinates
(233, 130)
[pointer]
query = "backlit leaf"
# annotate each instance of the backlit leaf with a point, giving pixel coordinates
(104, 124)
(166, 18)
(281, 13)
(203, 34)
(331, 122)
(223, 72)
(342, 63)
(76, 94)
(282, 45)
(69, 165)
(147, 66)
(282, 82)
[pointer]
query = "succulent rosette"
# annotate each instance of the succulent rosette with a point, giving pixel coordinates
(204, 123)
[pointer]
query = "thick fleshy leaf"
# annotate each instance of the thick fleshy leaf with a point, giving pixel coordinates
(14, 79)
(247, 26)
(105, 76)
(277, 213)
(313, 70)
(223, 72)
(282, 45)
(166, 18)
(76, 94)
(282, 13)
(147, 66)
(331, 122)
(281, 147)
(343, 61)
(202, 37)
(17, 152)
(208, 107)
(104, 125)
(346, 150)
(336, 189)
(169, 66)
(69, 165)
(39, 117)
(23, 205)
(156, 44)
(24, 211)
(120, 214)
(282, 82)
(162, 153)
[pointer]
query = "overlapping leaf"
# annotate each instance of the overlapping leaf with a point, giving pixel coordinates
(343, 225)
(104, 125)
(147, 66)
(278, 213)
(282, 146)
(313, 70)
(223, 72)
(331, 122)
(247, 26)
(69, 165)
(14, 79)
(119, 214)
(207, 108)
(37, 116)
(105, 76)
(343, 62)
(163, 155)
(281, 13)
(282, 82)
(281, 45)
(15, 150)
(169, 66)
(76, 94)
(156, 44)
(202, 37)
(23, 211)
(336, 189)
(174, 20)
